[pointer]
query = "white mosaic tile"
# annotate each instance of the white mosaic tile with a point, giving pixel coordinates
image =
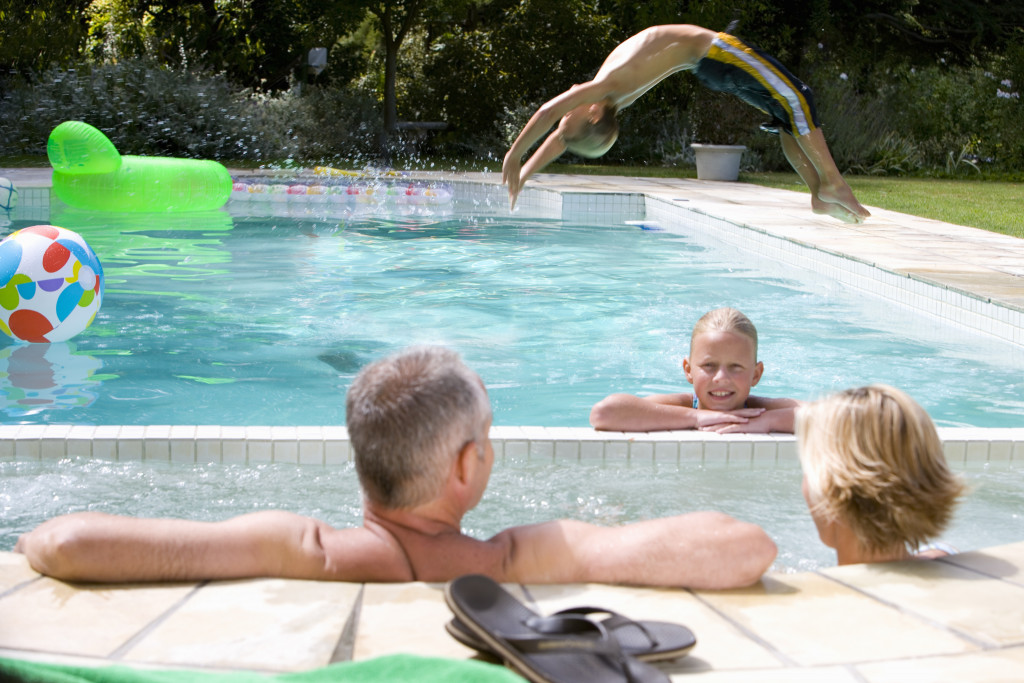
(591, 450)
(617, 449)
(642, 451)
(691, 451)
(741, 451)
(233, 445)
(542, 450)
(208, 444)
(337, 450)
(311, 451)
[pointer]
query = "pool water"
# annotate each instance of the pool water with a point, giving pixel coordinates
(522, 491)
(243, 320)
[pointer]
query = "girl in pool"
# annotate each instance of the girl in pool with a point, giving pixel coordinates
(875, 475)
(722, 367)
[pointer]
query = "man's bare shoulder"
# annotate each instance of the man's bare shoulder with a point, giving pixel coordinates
(364, 553)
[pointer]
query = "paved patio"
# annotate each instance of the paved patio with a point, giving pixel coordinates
(960, 619)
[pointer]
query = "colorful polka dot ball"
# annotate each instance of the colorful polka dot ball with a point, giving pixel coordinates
(8, 195)
(51, 284)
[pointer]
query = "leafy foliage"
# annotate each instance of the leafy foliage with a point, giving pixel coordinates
(143, 108)
(35, 34)
(902, 86)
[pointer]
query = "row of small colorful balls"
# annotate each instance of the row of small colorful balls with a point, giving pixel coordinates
(380, 192)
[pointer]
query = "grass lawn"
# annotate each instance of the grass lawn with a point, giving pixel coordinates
(992, 205)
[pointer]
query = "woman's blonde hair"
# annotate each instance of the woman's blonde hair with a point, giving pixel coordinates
(873, 461)
(725, 320)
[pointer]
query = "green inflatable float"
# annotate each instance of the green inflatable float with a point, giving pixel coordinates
(89, 173)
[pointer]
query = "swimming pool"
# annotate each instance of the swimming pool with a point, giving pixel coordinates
(252, 320)
(51, 467)
(523, 490)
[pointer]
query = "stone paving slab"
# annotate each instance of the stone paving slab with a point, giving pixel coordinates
(933, 621)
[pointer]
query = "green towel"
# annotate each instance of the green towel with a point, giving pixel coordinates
(388, 669)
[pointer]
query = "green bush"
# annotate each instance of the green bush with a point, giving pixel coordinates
(144, 109)
(935, 120)
(957, 115)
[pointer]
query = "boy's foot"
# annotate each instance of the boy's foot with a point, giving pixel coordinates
(840, 203)
(835, 210)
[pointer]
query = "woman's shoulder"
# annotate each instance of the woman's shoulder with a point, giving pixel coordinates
(934, 550)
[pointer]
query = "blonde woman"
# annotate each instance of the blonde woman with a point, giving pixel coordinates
(875, 475)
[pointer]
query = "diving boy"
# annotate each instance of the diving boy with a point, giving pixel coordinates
(585, 123)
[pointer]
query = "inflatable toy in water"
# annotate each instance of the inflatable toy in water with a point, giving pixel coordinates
(51, 284)
(89, 173)
(8, 195)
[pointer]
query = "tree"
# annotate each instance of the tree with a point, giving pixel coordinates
(396, 19)
(36, 34)
(259, 44)
(489, 75)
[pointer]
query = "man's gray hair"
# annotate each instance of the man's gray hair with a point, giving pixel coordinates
(408, 416)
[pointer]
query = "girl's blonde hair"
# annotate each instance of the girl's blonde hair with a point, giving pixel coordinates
(725, 320)
(873, 461)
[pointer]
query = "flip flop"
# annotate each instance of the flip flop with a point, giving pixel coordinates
(648, 641)
(570, 648)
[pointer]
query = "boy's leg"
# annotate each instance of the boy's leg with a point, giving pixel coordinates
(810, 158)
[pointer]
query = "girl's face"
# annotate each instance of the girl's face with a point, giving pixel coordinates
(722, 367)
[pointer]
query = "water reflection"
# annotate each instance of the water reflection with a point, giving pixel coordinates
(40, 377)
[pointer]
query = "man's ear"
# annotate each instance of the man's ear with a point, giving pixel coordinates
(466, 462)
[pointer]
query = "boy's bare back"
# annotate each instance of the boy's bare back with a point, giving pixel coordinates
(644, 60)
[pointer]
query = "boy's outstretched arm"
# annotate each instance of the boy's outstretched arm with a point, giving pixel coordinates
(549, 150)
(547, 116)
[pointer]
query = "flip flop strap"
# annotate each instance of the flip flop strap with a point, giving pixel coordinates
(563, 633)
(557, 633)
(612, 622)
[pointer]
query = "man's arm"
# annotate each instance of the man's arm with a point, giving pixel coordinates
(708, 550)
(98, 547)
(661, 412)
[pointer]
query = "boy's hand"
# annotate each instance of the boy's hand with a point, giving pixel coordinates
(510, 171)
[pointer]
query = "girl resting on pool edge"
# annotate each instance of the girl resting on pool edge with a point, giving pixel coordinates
(722, 367)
